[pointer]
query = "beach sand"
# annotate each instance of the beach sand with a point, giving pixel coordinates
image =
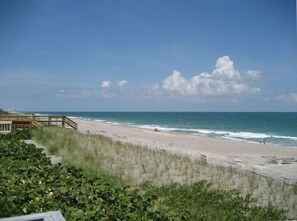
(268, 160)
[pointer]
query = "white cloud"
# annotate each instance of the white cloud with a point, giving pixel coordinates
(254, 74)
(122, 83)
(105, 84)
(154, 90)
(176, 82)
(222, 81)
(292, 97)
(225, 69)
(74, 93)
(155, 87)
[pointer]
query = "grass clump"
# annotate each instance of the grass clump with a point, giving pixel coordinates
(295, 189)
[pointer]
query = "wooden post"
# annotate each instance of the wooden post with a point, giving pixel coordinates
(49, 120)
(63, 122)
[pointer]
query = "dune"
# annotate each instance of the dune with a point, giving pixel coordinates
(277, 162)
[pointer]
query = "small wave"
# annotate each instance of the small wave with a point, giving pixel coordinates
(226, 134)
(152, 127)
(240, 140)
(248, 135)
(284, 137)
(83, 118)
(40, 114)
(218, 132)
(99, 120)
(73, 117)
(236, 135)
(114, 123)
(244, 135)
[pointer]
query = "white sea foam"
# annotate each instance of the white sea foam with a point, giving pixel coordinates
(240, 140)
(83, 118)
(225, 134)
(151, 127)
(40, 114)
(248, 135)
(218, 132)
(285, 137)
(231, 135)
(99, 120)
(114, 123)
(241, 135)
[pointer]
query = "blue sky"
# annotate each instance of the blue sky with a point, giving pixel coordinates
(148, 55)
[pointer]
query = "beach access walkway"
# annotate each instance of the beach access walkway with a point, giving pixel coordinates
(26, 121)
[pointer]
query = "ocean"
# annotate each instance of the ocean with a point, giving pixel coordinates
(276, 128)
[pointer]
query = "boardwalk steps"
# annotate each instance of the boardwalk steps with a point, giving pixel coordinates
(32, 121)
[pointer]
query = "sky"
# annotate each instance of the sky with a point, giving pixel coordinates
(148, 55)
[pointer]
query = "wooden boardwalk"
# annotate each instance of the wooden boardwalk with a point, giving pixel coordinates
(32, 121)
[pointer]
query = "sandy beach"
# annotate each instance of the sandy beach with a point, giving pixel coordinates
(268, 160)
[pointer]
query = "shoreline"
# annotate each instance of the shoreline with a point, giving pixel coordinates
(241, 127)
(277, 162)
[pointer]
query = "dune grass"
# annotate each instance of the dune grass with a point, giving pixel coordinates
(136, 165)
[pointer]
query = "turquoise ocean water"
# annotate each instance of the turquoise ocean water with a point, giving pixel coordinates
(276, 128)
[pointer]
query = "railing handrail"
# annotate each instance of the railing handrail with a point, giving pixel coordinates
(11, 117)
(70, 123)
(42, 118)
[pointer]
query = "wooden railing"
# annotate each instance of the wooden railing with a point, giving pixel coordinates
(32, 120)
(71, 123)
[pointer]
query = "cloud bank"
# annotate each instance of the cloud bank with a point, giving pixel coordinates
(224, 80)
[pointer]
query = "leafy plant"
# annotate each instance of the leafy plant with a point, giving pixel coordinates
(18, 134)
(31, 184)
(200, 202)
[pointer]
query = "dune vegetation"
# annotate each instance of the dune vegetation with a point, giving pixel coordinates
(31, 184)
(136, 165)
(86, 187)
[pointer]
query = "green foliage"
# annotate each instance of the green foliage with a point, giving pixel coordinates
(197, 202)
(31, 184)
(17, 135)
(200, 202)
(53, 149)
(295, 189)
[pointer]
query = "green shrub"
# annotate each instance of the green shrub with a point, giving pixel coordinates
(31, 184)
(17, 135)
(200, 202)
